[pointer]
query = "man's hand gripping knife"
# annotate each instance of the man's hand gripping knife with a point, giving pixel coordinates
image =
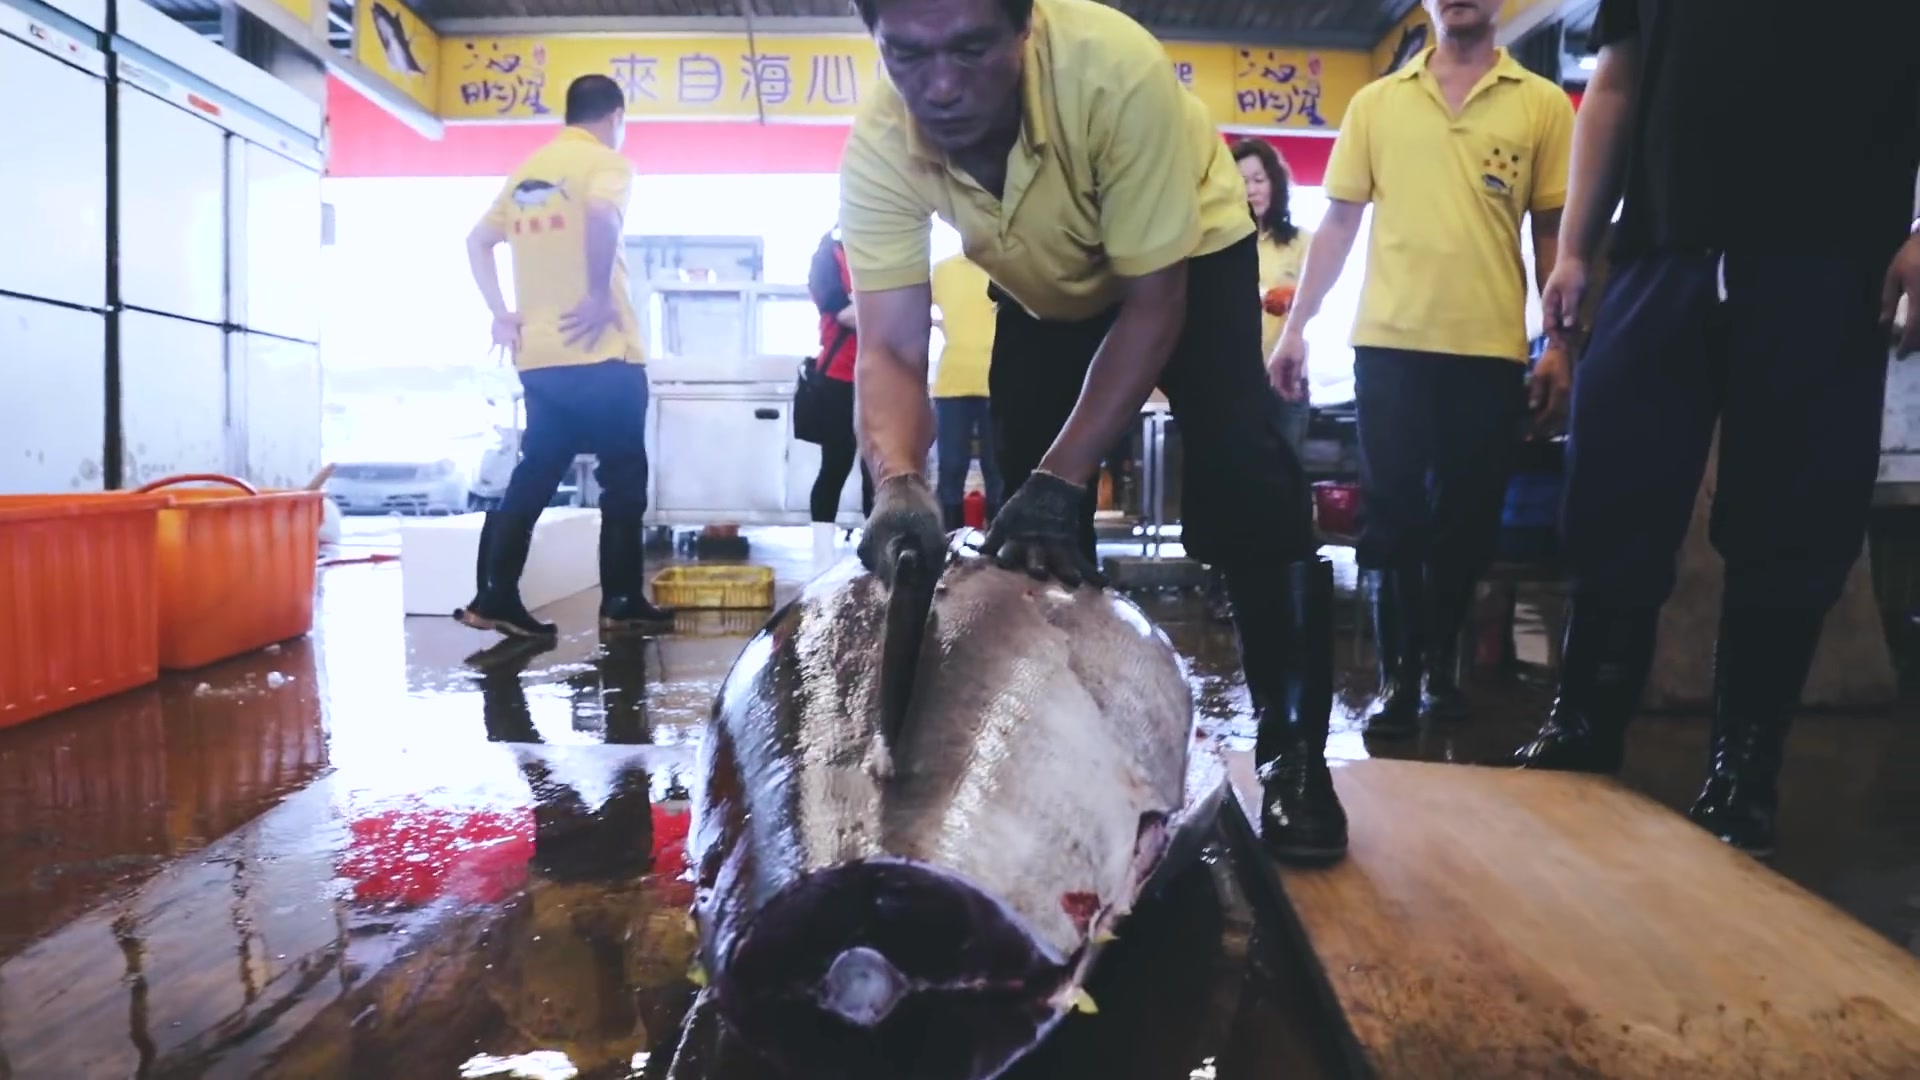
(906, 517)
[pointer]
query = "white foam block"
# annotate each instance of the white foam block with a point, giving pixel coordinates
(437, 556)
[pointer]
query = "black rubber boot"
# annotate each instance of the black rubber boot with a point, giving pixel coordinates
(1603, 671)
(1285, 621)
(1760, 667)
(1449, 596)
(953, 516)
(1396, 597)
(623, 575)
(505, 540)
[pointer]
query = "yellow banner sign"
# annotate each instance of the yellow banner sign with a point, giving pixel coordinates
(825, 77)
(686, 78)
(1295, 89)
(396, 45)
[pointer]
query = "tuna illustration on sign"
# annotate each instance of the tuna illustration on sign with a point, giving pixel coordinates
(1412, 40)
(394, 42)
(920, 891)
(535, 194)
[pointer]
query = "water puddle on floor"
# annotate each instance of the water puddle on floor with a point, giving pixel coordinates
(400, 848)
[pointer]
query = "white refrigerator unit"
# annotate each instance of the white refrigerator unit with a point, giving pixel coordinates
(53, 254)
(219, 292)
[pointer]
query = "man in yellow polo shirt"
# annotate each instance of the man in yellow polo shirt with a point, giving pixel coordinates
(576, 345)
(1452, 151)
(1096, 194)
(961, 410)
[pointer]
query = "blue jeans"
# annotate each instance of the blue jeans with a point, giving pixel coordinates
(962, 420)
(598, 409)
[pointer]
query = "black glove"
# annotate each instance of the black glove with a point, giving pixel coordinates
(1038, 531)
(905, 514)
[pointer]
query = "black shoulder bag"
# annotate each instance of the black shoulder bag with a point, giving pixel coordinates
(812, 418)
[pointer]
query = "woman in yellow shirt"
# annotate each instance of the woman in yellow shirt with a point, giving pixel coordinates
(1283, 251)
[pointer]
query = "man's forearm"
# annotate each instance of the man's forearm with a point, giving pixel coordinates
(486, 275)
(603, 243)
(1600, 136)
(1326, 257)
(1124, 371)
(893, 411)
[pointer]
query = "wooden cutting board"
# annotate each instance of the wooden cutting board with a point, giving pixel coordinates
(1493, 923)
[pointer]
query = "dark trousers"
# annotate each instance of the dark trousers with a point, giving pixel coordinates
(598, 409)
(1792, 363)
(837, 456)
(1437, 437)
(960, 421)
(1244, 496)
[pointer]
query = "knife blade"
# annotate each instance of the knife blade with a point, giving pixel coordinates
(909, 609)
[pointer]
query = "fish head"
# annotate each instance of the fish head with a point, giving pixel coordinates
(885, 969)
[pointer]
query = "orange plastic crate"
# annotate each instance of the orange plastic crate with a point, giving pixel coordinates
(236, 570)
(79, 600)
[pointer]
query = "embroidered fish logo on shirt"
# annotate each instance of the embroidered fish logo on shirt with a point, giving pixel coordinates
(1500, 172)
(534, 194)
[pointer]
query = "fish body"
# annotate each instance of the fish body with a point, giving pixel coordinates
(927, 908)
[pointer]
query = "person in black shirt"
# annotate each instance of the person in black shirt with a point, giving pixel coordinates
(1729, 302)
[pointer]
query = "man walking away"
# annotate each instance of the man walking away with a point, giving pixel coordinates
(576, 345)
(1718, 309)
(961, 410)
(1451, 150)
(1095, 192)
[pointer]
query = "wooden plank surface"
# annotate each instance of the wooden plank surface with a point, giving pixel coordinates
(1493, 923)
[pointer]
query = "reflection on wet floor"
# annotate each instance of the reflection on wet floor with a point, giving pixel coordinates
(399, 849)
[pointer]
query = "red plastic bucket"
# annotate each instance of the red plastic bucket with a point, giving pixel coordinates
(1336, 507)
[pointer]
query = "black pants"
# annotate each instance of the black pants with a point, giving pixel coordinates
(1437, 437)
(1792, 363)
(598, 409)
(837, 456)
(1245, 497)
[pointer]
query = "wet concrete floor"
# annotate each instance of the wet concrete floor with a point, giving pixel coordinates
(395, 849)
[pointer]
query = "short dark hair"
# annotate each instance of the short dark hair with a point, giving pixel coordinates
(593, 97)
(1019, 12)
(1278, 222)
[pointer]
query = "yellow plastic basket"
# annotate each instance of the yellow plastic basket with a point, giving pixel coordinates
(714, 587)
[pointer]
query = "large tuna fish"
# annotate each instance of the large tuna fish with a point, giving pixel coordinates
(927, 906)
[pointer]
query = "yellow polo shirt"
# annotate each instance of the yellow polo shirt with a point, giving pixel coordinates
(542, 210)
(1118, 173)
(1444, 268)
(1280, 266)
(966, 322)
